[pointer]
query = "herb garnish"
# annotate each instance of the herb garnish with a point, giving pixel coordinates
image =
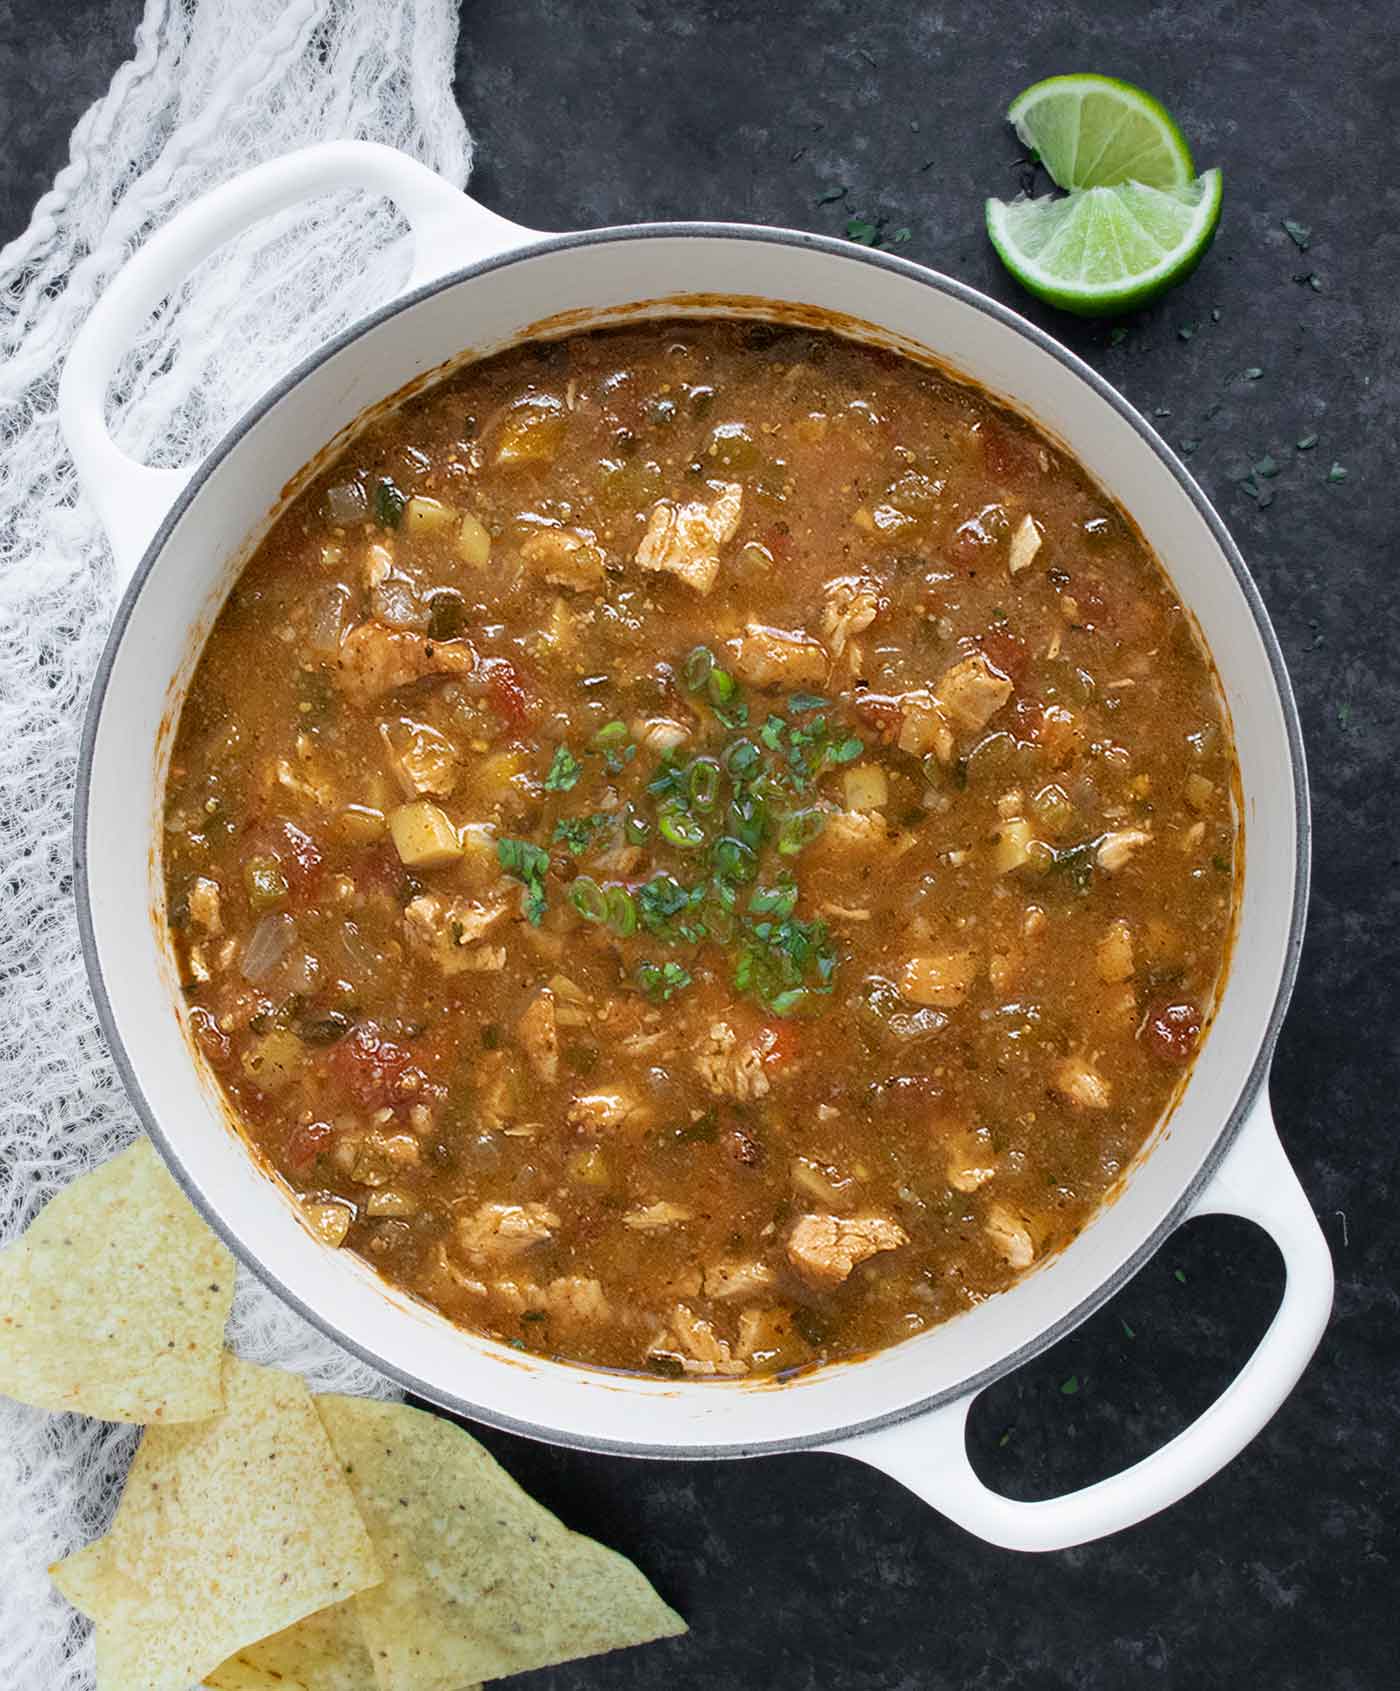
(576, 832)
(1298, 233)
(564, 771)
(528, 864)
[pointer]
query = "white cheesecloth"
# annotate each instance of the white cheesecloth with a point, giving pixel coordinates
(214, 86)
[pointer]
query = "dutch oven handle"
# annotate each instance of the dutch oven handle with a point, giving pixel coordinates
(928, 1453)
(449, 230)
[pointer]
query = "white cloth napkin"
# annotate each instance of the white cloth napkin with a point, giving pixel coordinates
(214, 86)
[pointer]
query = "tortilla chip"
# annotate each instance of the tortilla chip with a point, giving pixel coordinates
(480, 1581)
(325, 1652)
(113, 1303)
(229, 1530)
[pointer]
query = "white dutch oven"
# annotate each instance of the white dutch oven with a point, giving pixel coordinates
(180, 536)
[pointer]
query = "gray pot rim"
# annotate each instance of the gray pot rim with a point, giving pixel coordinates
(939, 283)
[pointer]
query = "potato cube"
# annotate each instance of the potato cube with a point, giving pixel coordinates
(423, 517)
(866, 787)
(941, 979)
(424, 836)
(474, 542)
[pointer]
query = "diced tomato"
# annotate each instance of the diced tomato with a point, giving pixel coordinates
(307, 1141)
(507, 693)
(369, 1066)
(783, 1041)
(1026, 718)
(880, 711)
(1006, 456)
(209, 1036)
(297, 853)
(1007, 651)
(1172, 1031)
(777, 537)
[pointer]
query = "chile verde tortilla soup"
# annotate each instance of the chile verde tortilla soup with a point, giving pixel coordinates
(705, 847)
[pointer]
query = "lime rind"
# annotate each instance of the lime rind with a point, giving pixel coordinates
(1097, 131)
(1100, 251)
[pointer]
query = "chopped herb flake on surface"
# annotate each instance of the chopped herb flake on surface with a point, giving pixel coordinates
(1337, 472)
(1298, 233)
(528, 864)
(563, 772)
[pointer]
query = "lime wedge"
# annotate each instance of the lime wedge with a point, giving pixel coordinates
(1100, 251)
(1095, 132)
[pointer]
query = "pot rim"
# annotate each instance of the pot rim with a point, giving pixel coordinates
(829, 246)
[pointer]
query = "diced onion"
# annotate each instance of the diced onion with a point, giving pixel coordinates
(327, 610)
(267, 946)
(346, 503)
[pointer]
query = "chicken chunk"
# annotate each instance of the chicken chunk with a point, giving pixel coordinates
(923, 728)
(1115, 953)
(604, 1112)
(825, 1248)
(497, 1231)
(375, 659)
(852, 604)
(421, 760)
(1117, 847)
(575, 1298)
(450, 934)
(203, 901)
(685, 540)
(972, 692)
(852, 831)
(1010, 1236)
(778, 657)
(566, 557)
(538, 1030)
(1025, 543)
(726, 1280)
(971, 1162)
(942, 979)
(732, 1070)
(693, 1342)
(1079, 1083)
(653, 1218)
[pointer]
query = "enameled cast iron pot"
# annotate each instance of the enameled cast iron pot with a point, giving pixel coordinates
(180, 537)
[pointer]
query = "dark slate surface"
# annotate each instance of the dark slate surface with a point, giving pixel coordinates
(808, 1573)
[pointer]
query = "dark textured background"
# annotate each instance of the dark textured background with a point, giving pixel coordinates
(813, 1574)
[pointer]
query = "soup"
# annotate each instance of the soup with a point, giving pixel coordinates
(704, 847)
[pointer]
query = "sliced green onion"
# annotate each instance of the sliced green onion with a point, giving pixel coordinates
(792, 1002)
(748, 819)
(721, 686)
(589, 899)
(697, 666)
(636, 830)
(741, 759)
(611, 734)
(798, 829)
(621, 911)
(733, 860)
(681, 830)
(703, 782)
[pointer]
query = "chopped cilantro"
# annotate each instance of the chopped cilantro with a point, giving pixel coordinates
(1305, 443)
(1179, 1274)
(1298, 233)
(832, 195)
(576, 832)
(862, 230)
(807, 701)
(1126, 1328)
(1070, 1386)
(528, 864)
(1344, 715)
(563, 772)
(1337, 472)
(1117, 335)
(662, 980)
(1265, 466)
